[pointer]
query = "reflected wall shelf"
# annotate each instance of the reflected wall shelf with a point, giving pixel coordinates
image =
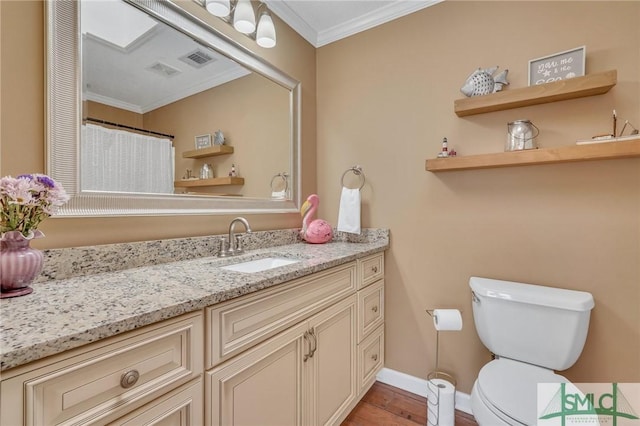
(563, 154)
(219, 181)
(208, 152)
(578, 87)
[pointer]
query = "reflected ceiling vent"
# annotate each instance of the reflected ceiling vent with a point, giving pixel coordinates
(198, 58)
(164, 69)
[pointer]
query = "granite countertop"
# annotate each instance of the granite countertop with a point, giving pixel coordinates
(67, 313)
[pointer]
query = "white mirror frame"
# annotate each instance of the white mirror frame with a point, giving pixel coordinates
(64, 110)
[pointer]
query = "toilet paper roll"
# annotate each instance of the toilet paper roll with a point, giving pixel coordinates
(441, 401)
(447, 319)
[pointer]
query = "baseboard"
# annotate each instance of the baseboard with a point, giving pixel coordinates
(419, 387)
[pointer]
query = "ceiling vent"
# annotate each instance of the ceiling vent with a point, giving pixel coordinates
(164, 69)
(198, 58)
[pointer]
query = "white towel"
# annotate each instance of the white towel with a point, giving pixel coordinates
(349, 213)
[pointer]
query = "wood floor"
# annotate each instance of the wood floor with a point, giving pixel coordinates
(390, 406)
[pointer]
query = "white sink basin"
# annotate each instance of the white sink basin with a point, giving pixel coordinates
(259, 265)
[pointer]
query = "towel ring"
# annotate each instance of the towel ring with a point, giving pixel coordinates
(283, 176)
(357, 170)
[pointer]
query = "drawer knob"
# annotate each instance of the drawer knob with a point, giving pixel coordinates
(129, 379)
(375, 308)
(374, 357)
(374, 269)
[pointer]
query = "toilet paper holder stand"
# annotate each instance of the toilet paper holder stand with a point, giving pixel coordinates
(451, 379)
(437, 374)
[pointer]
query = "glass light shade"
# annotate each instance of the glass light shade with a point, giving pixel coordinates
(266, 34)
(244, 19)
(219, 8)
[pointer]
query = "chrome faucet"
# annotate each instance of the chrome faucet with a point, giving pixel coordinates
(233, 246)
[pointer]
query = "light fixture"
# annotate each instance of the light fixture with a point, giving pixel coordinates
(243, 18)
(266, 32)
(240, 14)
(218, 8)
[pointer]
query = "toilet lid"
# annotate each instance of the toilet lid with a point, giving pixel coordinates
(512, 387)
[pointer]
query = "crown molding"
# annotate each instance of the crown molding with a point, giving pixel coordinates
(377, 17)
(291, 18)
(353, 26)
(216, 80)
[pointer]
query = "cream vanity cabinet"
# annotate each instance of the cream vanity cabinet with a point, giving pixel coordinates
(290, 355)
(299, 353)
(149, 376)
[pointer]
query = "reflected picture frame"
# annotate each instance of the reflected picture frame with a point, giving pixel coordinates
(203, 141)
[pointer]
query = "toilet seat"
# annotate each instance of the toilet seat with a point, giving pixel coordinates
(509, 389)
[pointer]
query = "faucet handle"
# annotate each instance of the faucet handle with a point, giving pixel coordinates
(224, 247)
(239, 249)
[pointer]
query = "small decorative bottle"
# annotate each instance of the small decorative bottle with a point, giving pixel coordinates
(445, 149)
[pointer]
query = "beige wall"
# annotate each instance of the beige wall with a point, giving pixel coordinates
(91, 109)
(22, 128)
(385, 101)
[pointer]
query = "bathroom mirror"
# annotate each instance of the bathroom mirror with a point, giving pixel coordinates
(78, 95)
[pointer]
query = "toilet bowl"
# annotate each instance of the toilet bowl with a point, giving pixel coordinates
(505, 392)
(532, 331)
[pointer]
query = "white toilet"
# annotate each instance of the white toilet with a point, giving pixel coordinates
(532, 330)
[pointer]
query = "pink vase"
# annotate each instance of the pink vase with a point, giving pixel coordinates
(19, 263)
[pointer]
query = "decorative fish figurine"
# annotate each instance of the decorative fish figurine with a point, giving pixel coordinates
(218, 138)
(316, 231)
(482, 82)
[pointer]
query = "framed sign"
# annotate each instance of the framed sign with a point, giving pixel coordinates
(203, 141)
(559, 66)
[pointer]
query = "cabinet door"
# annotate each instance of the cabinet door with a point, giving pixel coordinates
(332, 369)
(262, 386)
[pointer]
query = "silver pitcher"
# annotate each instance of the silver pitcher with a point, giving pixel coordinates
(206, 171)
(520, 135)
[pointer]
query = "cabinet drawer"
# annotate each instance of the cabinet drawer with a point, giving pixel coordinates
(241, 323)
(370, 309)
(180, 407)
(370, 359)
(98, 384)
(370, 269)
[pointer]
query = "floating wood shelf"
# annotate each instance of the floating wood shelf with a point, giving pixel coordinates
(208, 152)
(564, 154)
(220, 181)
(578, 87)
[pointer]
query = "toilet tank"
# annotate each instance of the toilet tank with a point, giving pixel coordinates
(539, 325)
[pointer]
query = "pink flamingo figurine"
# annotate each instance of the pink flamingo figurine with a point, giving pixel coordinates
(314, 231)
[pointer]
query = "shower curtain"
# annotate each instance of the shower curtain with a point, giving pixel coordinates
(120, 161)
